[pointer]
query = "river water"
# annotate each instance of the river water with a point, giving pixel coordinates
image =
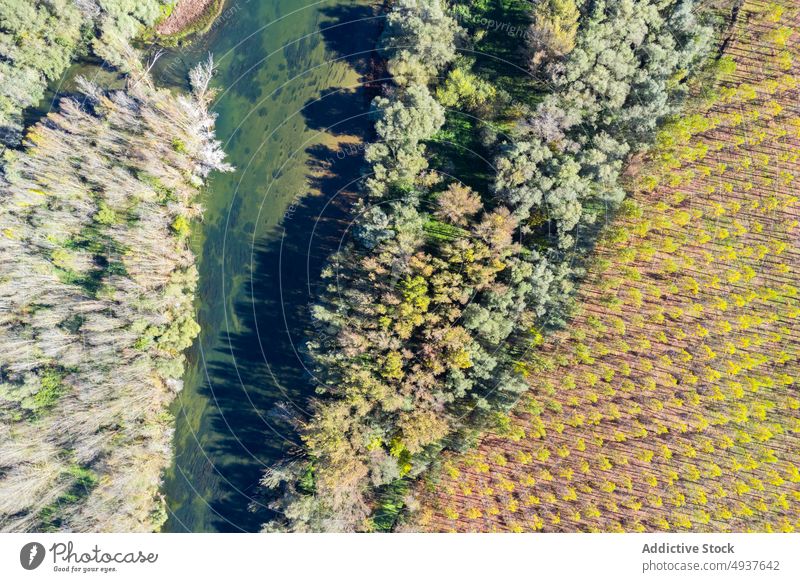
(292, 110)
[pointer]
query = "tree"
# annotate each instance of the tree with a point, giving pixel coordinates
(458, 204)
(552, 34)
(419, 40)
(401, 124)
(465, 89)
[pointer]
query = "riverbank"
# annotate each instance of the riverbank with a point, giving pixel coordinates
(189, 17)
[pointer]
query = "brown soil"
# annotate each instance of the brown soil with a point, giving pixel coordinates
(185, 14)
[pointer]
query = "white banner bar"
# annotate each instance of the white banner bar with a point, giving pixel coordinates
(400, 557)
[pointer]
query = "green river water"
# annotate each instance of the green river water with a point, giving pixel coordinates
(291, 106)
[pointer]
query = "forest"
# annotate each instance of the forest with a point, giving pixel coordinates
(565, 297)
(97, 282)
(439, 304)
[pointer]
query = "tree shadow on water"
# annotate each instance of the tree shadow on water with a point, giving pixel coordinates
(350, 32)
(259, 362)
(339, 111)
(262, 364)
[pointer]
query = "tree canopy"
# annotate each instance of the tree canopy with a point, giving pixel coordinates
(96, 303)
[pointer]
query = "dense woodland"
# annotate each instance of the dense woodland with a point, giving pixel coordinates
(438, 303)
(632, 360)
(96, 279)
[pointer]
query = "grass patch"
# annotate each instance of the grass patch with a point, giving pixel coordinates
(391, 502)
(52, 389)
(439, 230)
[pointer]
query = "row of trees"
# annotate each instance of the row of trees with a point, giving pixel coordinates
(354, 440)
(39, 39)
(435, 299)
(96, 302)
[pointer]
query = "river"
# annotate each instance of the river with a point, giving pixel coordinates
(292, 110)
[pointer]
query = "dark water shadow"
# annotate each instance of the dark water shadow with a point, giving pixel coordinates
(328, 111)
(270, 368)
(351, 32)
(257, 363)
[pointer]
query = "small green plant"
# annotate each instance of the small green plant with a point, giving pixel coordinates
(105, 215)
(179, 145)
(181, 227)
